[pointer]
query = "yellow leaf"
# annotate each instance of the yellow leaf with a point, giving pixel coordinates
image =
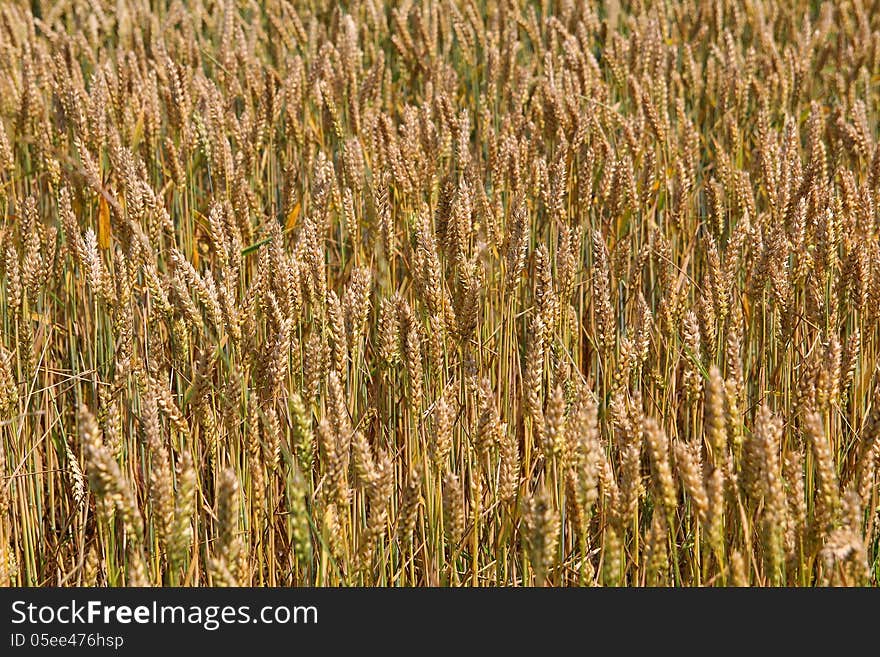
(313, 125)
(293, 216)
(103, 223)
(138, 131)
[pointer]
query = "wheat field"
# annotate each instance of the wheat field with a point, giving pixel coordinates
(439, 293)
